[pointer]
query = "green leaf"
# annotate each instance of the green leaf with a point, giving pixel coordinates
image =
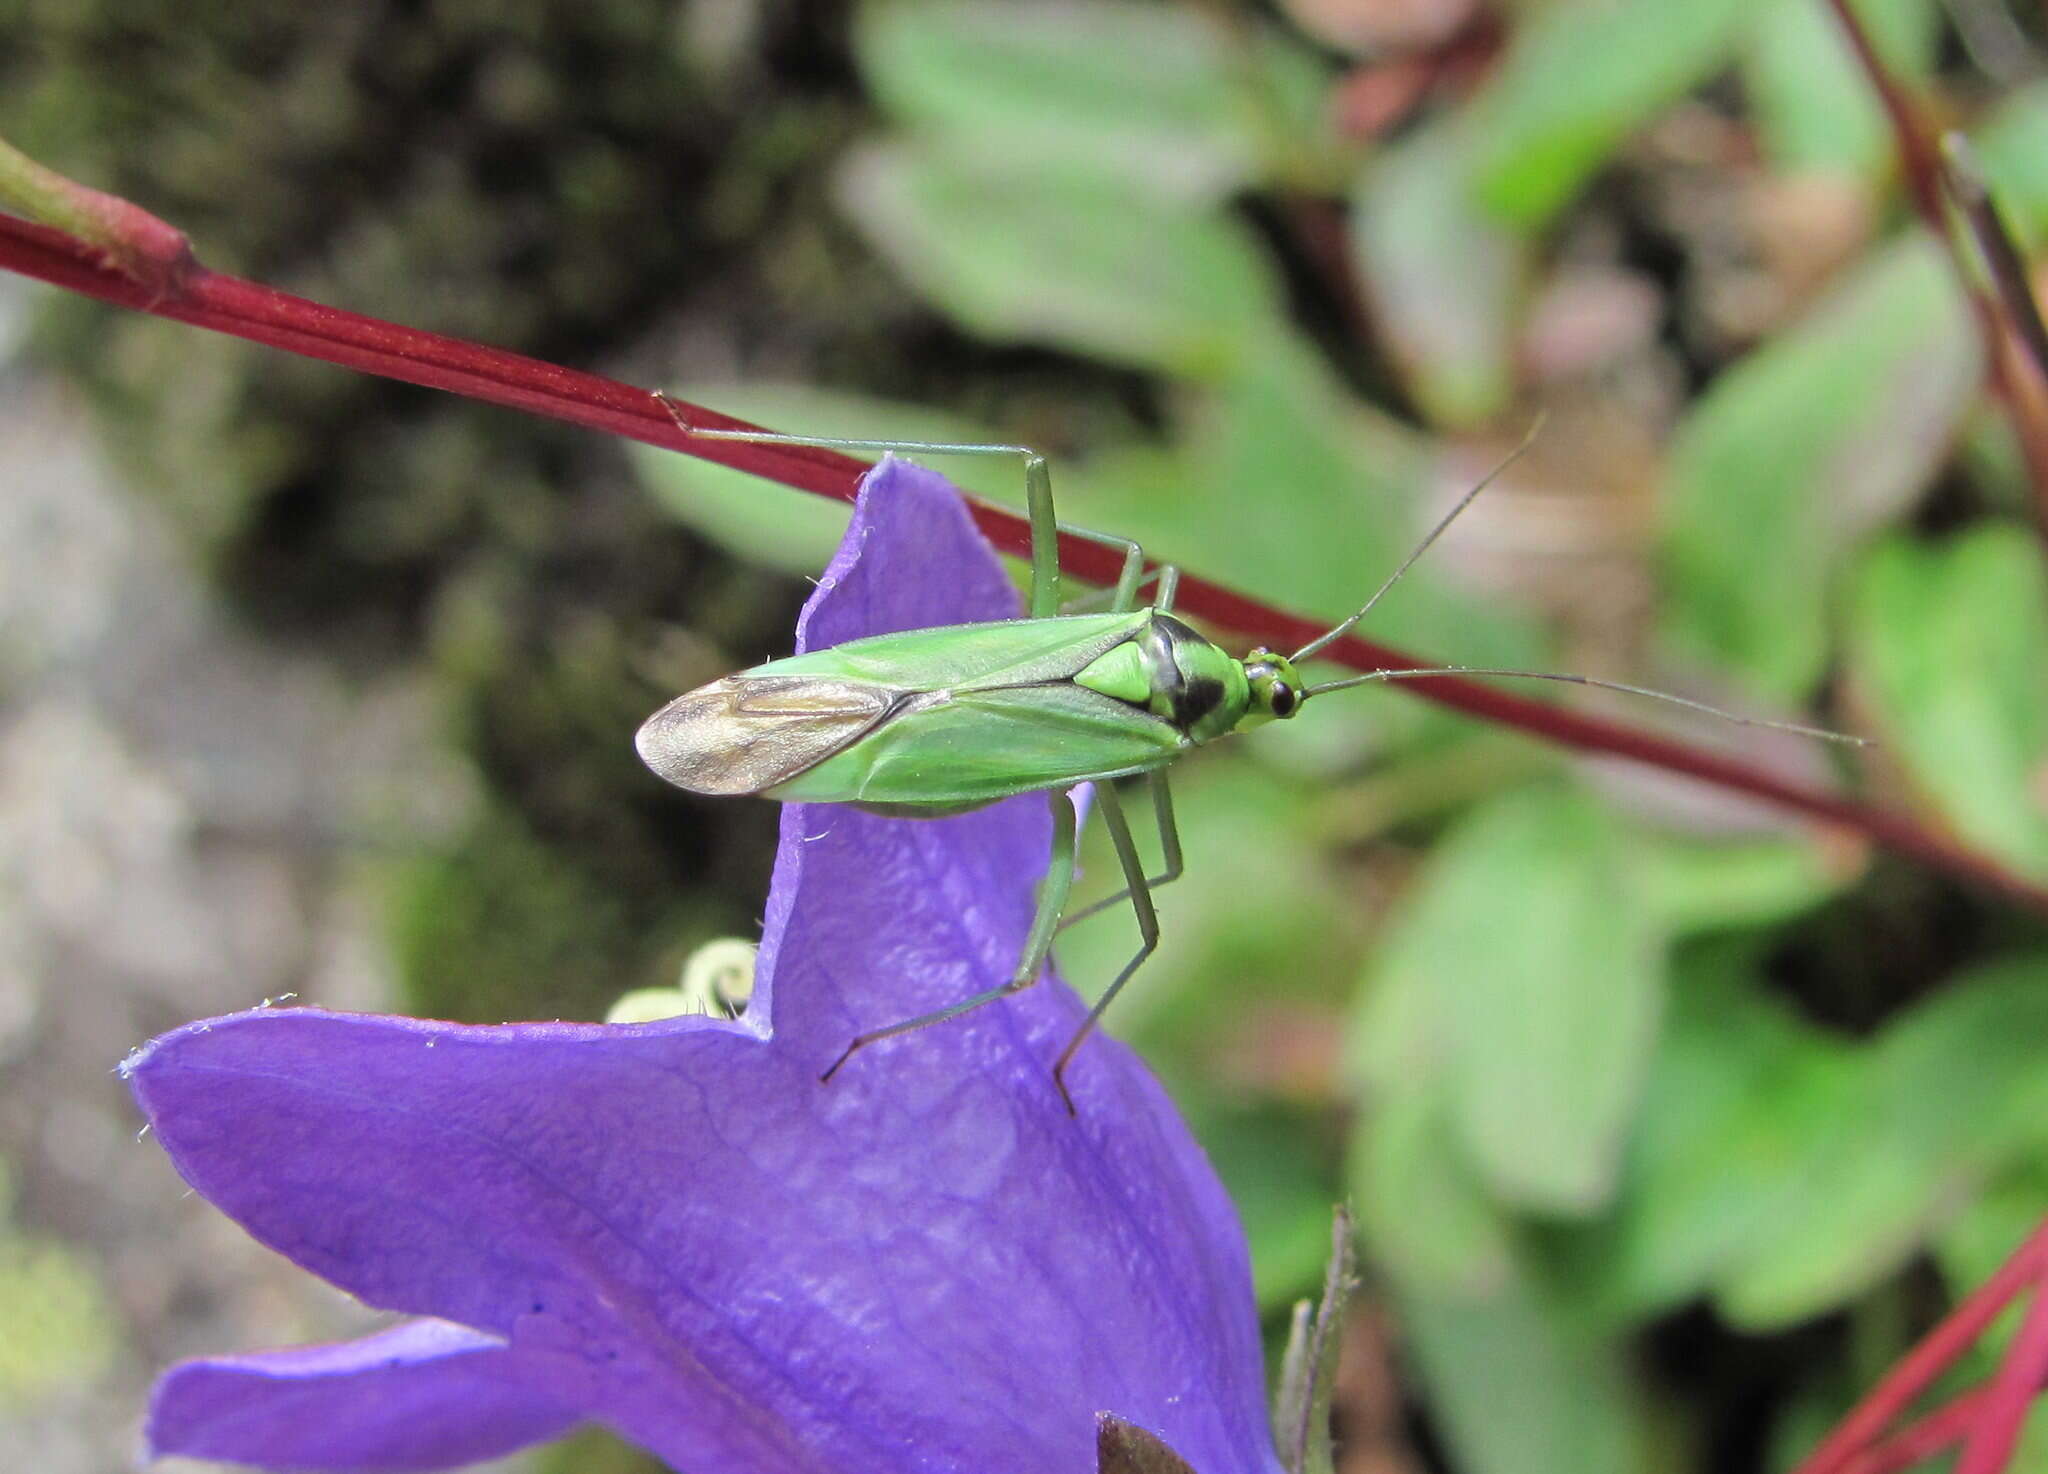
(1992, 1224)
(1395, 1042)
(1274, 1171)
(1949, 649)
(1445, 278)
(2013, 148)
(777, 526)
(1544, 971)
(1157, 95)
(63, 1327)
(1579, 78)
(1520, 1390)
(1799, 450)
(1953, 1092)
(1072, 257)
(1712, 885)
(1744, 1101)
(1427, 1218)
(1814, 105)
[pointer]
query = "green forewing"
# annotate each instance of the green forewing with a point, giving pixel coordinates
(1012, 652)
(976, 746)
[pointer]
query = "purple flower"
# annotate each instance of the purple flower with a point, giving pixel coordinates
(676, 1230)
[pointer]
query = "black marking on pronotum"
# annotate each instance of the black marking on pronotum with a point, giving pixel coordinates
(1187, 698)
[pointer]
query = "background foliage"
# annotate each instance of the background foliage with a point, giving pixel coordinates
(1668, 1121)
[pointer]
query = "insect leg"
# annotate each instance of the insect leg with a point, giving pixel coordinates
(1140, 893)
(1045, 549)
(834, 442)
(1045, 527)
(1169, 848)
(1052, 900)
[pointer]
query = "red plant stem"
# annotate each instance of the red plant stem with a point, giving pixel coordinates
(1940, 1347)
(244, 309)
(1996, 1428)
(2002, 258)
(1920, 161)
(1917, 155)
(1920, 1439)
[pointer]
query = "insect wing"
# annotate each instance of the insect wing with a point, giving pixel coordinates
(1009, 652)
(946, 749)
(749, 732)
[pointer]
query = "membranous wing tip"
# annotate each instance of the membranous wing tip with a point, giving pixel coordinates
(746, 733)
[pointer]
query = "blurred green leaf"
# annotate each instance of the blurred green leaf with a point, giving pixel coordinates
(1951, 1093)
(63, 1326)
(1580, 76)
(2013, 148)
(1072, 257)
(1427, 1218)
(1814, 105)
(1272, 1168)
(1159, 96)
(778, 526)
(1279, 484)
(1395, 1042)
(1743, 1102)
(592, 1450)
(1520, 1390)
(1543, 966)
(1710, 885)
(1799, 450)
(1445, 278)
(1994, 1222)
(1949, 648)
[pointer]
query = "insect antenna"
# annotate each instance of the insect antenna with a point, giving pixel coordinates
(1798, 728)
(1535, 428)
(1543, 675)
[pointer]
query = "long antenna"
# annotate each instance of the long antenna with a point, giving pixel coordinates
(1422, 547)
(1540, 675)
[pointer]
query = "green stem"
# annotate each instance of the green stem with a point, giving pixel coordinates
(146, 250)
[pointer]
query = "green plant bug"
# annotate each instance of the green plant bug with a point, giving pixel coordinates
(927, 723)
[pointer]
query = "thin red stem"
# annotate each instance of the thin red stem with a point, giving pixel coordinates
(1921, 1439)
(1920, 161)
(1996, 1428)
(2003, 261)
(1935, 1353)
(244, 309)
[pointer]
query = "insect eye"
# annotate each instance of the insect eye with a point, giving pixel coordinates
(1282, 699)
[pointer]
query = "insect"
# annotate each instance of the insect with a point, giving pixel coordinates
(926, 723)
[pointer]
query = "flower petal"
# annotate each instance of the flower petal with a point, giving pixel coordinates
(423, 1395)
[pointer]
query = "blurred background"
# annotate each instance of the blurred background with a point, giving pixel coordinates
(1669, 1122)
